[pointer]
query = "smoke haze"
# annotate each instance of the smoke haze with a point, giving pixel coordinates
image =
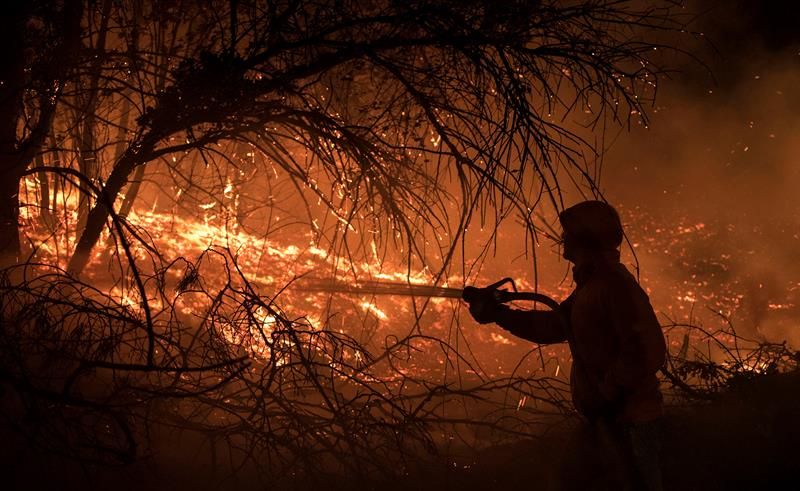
(721, 155)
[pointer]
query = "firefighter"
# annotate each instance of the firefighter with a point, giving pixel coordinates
(617, 347)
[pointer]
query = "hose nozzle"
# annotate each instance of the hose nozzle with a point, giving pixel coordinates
(492, 293)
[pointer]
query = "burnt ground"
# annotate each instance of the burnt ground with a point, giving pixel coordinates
(746, 438)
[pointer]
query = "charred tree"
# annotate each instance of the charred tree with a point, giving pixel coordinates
(39, 45)
(481, 83)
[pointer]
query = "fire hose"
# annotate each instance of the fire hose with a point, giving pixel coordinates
(469, 294)
(473, 294)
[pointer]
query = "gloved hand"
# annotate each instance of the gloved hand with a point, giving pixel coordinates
(482, 304)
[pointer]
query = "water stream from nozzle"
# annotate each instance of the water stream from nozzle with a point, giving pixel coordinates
(413, 290)
(377, 288)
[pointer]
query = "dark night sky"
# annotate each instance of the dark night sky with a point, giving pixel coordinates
(734, 118)
(740, 24)
(744, 35)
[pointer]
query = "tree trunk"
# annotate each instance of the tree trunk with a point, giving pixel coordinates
(133, 49)
(16, 154)
(45, 216)
(9, 220)
(133, 191)
(12, 73)
(55, 162)
(136, 155)
(87, 148)
(87, 164)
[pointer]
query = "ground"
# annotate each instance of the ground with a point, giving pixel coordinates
(746, 438)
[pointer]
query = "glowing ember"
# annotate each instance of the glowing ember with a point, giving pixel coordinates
(678, 289)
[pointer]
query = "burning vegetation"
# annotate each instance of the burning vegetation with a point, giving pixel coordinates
(201, 201)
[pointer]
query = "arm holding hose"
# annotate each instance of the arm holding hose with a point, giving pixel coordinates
(540, 326)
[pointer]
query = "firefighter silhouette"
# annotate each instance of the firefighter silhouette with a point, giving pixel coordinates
(617, 348)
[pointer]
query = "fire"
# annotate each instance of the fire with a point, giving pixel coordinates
(270, 265)
(372, 308)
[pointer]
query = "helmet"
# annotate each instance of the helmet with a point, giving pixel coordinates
(593, 225)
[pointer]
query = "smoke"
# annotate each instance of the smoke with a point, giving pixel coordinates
(722, 152)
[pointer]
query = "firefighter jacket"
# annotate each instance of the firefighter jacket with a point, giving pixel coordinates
(616, 342)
